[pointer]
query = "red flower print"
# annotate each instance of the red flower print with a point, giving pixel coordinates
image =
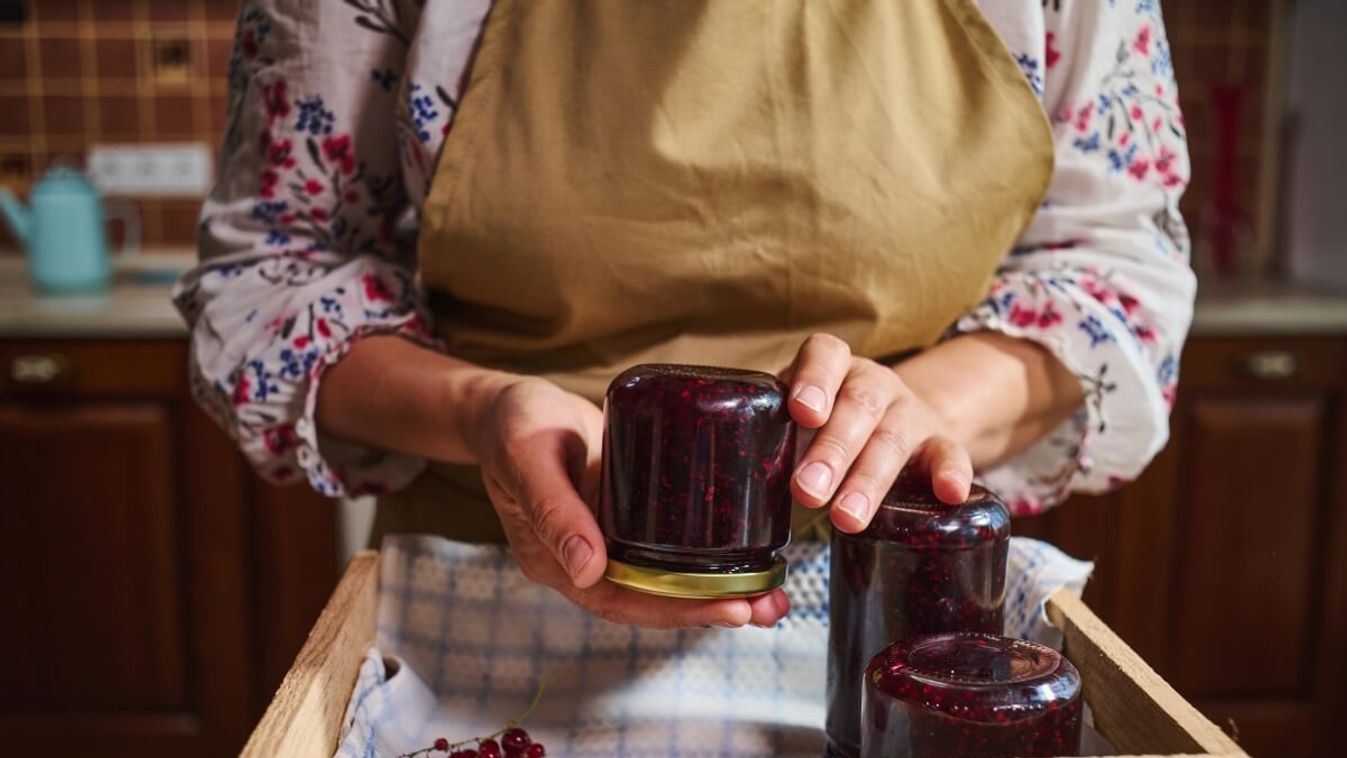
(268, 181)
(338, 150)
(248, 42)
(1083, 117)
(313, 187)
(351, 196)
(278, 439)
(1139, 168)
(1136, 113)
(1124, 139)
(286, 218)
(279, 153)
(1022, 317)
(1048, 317)
(375, 289)
(1166, 159)
(241, 390)
(301, 342)
(1128, 303)
(318, 214)
(323, 330)
(1053, 54)
(1142, 43)
(275, 97)
(1155, 125)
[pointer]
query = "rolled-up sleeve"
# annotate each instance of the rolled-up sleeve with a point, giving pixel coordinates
(298, 240)
(1101, 277)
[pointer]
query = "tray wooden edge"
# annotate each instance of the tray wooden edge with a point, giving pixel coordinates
(304, 717)
(1133, 707)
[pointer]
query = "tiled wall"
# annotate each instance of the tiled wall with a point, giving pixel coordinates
(81, 71)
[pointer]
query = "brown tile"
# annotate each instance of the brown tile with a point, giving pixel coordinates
(1214, 19)
(221, 10)
(117, 58)
(13, 59)
(219, 111)
(218, 52)
(171, 10)
(63, 115)
(119, 118)
(173, 117)
(173, 60)
(180, 221)
(114, 10)
(60, 58)
(56, 10)
(15, 123)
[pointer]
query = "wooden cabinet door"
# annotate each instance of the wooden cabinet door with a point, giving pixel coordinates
(124, 568)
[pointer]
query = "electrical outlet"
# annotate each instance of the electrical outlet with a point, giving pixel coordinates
(152, 170)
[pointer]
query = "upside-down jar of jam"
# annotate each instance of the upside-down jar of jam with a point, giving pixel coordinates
(921, 567)
(965, 695)
(695, 498)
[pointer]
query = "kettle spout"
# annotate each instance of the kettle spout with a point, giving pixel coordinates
(16, 214)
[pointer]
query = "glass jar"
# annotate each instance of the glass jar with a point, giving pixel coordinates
(957, 695)
(695, 498)
(921, 567)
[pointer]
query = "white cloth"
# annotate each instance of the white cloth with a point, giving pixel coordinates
(464, 640)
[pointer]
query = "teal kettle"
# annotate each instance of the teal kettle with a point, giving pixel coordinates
(64, 232)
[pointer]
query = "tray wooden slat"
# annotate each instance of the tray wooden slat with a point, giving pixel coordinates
(304, 718)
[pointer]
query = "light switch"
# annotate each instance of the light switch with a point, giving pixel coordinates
(152, 170)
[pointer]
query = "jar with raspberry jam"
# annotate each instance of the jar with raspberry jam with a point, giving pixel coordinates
(921, 567)
(966, 695)
(695, 498)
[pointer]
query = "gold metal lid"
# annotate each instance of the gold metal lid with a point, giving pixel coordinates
(698, 586)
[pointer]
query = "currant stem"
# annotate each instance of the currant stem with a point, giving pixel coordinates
(514, 722)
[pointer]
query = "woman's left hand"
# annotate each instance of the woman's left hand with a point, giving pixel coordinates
(870, 425)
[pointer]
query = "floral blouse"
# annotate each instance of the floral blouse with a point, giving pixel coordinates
(337, 113)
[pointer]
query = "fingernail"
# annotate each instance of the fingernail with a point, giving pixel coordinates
(812, 398)
(725, 624)
(855, 505)
(763, 626)
(815, 478)
(577, 552)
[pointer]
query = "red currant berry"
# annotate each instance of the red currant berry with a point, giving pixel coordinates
(515, 739)
(489, 749)
(442, 745)
(535, 750)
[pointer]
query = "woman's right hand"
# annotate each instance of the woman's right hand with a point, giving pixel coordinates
(538, 447)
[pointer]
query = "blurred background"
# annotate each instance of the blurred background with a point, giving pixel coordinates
(156, 591)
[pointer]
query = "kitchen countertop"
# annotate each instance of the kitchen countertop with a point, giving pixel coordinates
(137, 305)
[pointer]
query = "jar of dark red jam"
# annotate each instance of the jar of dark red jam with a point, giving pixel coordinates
(921, 567)
(965, 695)
(695, 499)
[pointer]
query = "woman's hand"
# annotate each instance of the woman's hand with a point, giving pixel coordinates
(870, 425)
(539, 451)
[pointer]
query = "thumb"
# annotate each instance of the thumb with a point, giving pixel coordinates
(558, 515)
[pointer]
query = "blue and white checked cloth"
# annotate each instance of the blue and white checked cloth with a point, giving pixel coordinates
(464, 639)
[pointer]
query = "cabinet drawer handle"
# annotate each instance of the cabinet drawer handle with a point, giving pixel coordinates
(39, 368)
(1272, 364)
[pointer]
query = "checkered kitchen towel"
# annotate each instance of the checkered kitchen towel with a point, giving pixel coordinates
(464, 640)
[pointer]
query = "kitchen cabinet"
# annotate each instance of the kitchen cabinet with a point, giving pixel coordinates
(1225, 564)
(154, 590)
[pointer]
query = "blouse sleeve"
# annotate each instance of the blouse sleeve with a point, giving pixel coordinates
(1101, 276)
(305, 239)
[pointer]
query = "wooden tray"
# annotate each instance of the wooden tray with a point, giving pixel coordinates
(1136, 710)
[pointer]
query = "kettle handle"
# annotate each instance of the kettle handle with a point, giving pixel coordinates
(126, 213)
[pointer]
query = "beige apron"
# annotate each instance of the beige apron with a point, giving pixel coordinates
(710, 182)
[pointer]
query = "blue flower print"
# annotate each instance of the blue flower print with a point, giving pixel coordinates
(385, 78)
(1087, 144)
(1095, 329)
(423, 110)
(1029, 65)
(313, 117)
(267, 211)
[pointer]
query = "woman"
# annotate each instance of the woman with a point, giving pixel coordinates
(440, 229)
